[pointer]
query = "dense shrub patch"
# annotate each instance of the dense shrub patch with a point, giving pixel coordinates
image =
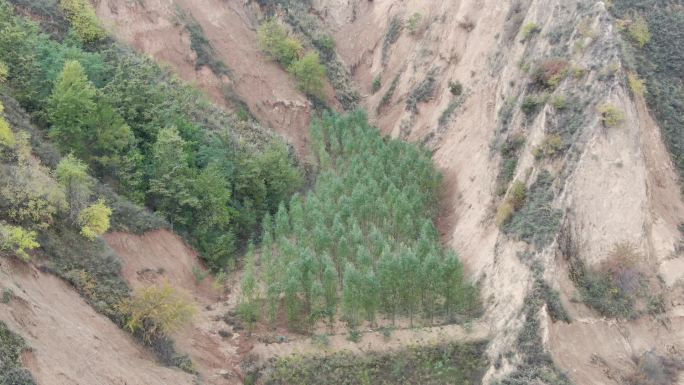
(11, 370)
(537, 221)
(450, 363)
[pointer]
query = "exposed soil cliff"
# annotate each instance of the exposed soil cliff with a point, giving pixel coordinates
(612, 184)
(528, 91)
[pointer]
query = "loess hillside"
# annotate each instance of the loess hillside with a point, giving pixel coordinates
(342, 192)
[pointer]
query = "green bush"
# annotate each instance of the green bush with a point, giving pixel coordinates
(509, 162)
(455, 87)
(206, 54)
(613, 288)
(518, 194)
(611, 115)
(453, 105)
(161, 306)
(396, 24)
(532, 104)
(7, 295)
(275, 41)
(530, 29)
(11, 347)
(423, 92)
(94, 219)
(17, 240)
(504, 213)
(377, 83)
(387, 97)
(413, 23)
(636, 85)
(7, 138)
(84, 20)
(550, 146)
(639, 31)
(310, 74)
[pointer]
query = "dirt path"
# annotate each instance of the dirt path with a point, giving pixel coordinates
(70, 342)
(374, 341)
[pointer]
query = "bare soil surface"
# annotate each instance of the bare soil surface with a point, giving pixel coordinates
(154, 27)
(70, 342)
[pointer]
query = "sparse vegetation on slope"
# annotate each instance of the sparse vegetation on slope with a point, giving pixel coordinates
(614, 288)
(537, 220)
(206, 55)
(657, 30)
(289, 52)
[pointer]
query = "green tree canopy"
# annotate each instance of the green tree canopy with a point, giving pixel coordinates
(310, 74)
(70, 108)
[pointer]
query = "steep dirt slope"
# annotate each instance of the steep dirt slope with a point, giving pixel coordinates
(159, 28)
(610, 184)
(614, 184)
(70, 342)
(161, 255)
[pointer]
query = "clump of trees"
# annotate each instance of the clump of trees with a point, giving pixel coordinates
(289, 52)
(17, 240)
(154, 139)
(363, 241)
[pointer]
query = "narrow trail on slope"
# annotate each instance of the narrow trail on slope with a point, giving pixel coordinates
(375, 341)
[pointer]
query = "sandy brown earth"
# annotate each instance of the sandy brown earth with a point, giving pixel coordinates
(623, 186)
(71, 343)
(153, 27)
(161, 255)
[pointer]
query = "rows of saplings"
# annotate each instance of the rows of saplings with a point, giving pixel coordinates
(362, 244)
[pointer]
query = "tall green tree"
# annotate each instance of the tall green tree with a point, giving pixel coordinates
(70, 109)
(72, 174)
(211, 218)
(170, 182)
